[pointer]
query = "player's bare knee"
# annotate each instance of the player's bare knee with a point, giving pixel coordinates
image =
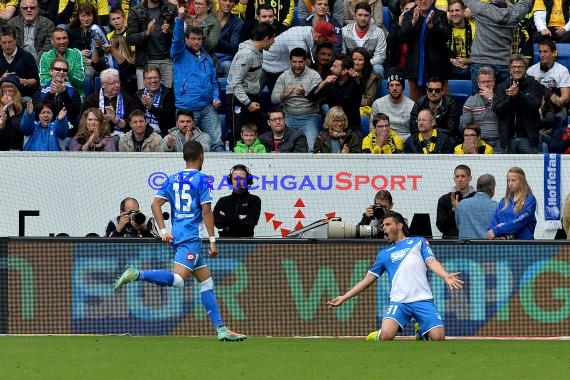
(207, 284)
(437, 334)
(387, 335)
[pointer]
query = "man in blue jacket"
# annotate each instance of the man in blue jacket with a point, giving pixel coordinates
(195, 84)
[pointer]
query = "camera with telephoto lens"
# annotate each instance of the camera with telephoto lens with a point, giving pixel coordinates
(340, 230)
(379, 211)
(137, 217)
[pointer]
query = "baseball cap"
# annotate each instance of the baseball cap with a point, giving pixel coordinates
(325, 29)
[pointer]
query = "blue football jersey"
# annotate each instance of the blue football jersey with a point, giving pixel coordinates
(405, 263)
(186, 191)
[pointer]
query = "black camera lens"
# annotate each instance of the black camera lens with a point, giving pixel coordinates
(137, 217)
(378, 211)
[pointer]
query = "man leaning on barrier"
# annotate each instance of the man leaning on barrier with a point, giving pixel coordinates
(131, 222)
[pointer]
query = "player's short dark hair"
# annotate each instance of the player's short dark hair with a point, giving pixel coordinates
(184, 112)
(398, 218)
(298, 52)
(192, 151)
(262, 31)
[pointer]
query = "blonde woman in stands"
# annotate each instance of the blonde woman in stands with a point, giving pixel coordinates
(337, 137)
(94, 134)
(123, 60)
(514, 217)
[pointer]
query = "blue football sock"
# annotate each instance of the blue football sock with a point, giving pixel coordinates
(159, 277)
(210, 303)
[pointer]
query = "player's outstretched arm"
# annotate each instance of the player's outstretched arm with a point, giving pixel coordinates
(451, 279)
(356, 290)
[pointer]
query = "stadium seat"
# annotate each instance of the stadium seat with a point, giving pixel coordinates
(295, 16)
(563, 54)
(383, 89)
(460, 90)
(91, 84)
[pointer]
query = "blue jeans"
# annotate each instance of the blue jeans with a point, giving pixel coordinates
(208, 120)
(502, 73)
(308, 124)
(521, 145)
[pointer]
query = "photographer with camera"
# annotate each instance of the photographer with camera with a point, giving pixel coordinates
(374, 213)
(131, 222)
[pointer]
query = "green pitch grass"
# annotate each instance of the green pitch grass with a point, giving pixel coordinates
(128, 357)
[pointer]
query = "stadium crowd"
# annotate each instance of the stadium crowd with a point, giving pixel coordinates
(339, 76)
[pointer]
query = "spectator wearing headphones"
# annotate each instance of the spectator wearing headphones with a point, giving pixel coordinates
(237, 214)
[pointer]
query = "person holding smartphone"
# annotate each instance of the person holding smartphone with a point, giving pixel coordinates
(447, 203)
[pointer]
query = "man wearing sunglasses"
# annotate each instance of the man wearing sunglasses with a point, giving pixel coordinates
(443, 106)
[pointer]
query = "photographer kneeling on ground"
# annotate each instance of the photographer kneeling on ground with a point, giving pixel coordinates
(373, 214)
(131, 222)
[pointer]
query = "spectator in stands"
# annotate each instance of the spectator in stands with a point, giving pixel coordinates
(515, 216)
(363, 33)
(185, 131)
(396, 45)
(382, 139)
(237, 214)
(472, 143)
(290, 92)
(428, 140)
(368, 81)
(59, 93)
(73, 57)
(556, 80)
(118, 23)
(8, 9)
(323, 59)
(115, 103)
(373, 214)
(158, 101)
(94, 134)
(195, 83)
(396, 106)
(82, 35)
(473, 215)
(426, 31)
(306, 37)
(552, 21)
(462, 33)
(11, 137)
(243, 103)
(131, 222)
(141, 137)
(335, 9)
(340, 89)
(281, 139)
(492, 42)
(249, 142)
(121, 57)
(283, 10)
(478, 109)
(45, 134)
(48, 8)
(33, 32)
(442, 105)
(321, 12)
(517, 103)
(16, 61)
(336, 136)
(376, 11)
(266, 14)
(228, 43)
(69, 10)
(448, 202)
(205, 20)
(560, 141)
(149, 29)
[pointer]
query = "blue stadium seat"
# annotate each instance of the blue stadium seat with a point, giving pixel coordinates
(383, 89)
(563, 54)
(91, 84)
(386, 16)
(295, 16)
(460, 90)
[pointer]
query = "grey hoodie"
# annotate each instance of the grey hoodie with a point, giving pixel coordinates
(244, 76)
